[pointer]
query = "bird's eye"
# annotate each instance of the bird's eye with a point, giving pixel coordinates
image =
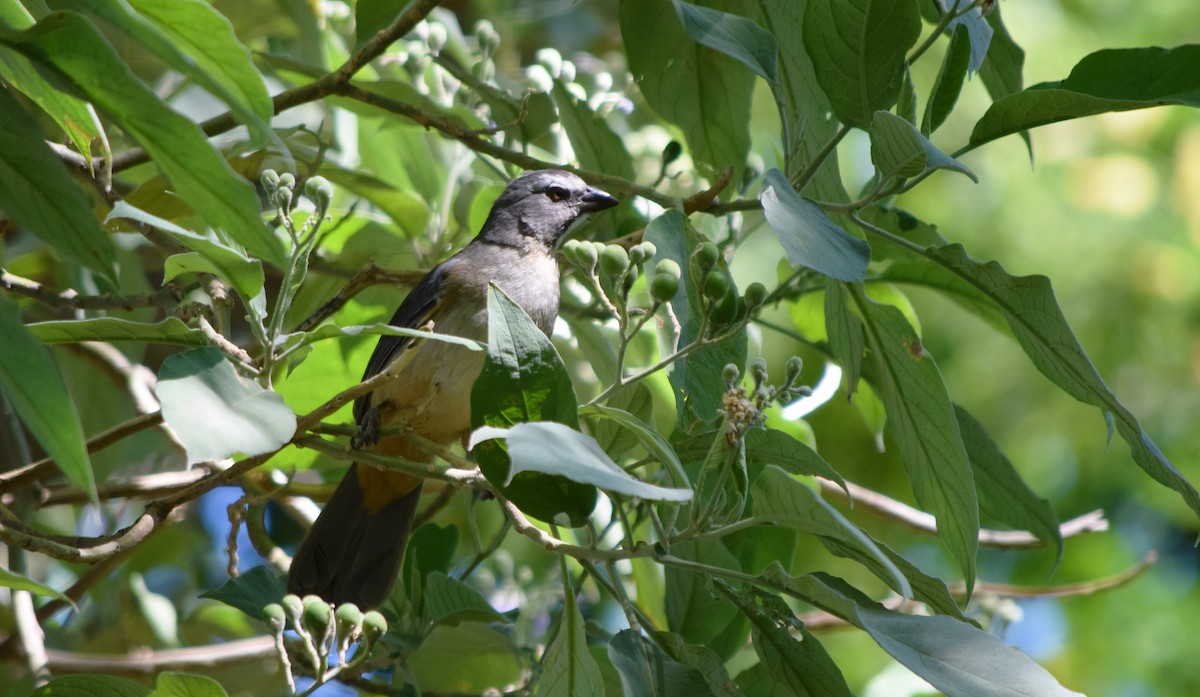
(557, 193)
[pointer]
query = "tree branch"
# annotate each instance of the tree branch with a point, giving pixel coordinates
(168, 296)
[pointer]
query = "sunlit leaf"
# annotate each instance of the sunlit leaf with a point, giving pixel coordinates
(169, 684)
(523, 379)
(91, 686)
(808, 236)
(216, 412)
(465, 658)
(168, 331)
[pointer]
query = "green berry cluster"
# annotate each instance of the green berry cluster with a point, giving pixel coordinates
(324, 629)
(722, 304)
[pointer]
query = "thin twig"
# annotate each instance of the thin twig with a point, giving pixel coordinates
(147, 663)
(368, 276)
(168, 296)
(895, 511)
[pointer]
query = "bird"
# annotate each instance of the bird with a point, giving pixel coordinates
(352, 552)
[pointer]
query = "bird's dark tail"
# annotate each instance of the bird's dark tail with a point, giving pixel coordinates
(350, 555)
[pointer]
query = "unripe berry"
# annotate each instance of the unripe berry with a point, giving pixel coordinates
(706, 255)
(637, 255)
(716, 286)
(664, 287)
(614, 260)
(317, 615)
(727, 309)
(319, 191)
(274, 617)
(649, 249)
(755, 295)
(374, 626)
(269, 179)
(585, 256)
(348, 618)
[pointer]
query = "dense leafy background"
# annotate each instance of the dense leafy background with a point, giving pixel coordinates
(1109, 212)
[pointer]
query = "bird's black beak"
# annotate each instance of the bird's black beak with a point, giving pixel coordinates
(596, 200)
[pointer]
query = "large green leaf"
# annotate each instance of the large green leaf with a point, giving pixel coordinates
(1038, 324)
(91, 686)
(845, 331)
(1108, 80)
(196, 40)
(703, 659)
(800, 663)
(243, 273)
(250, 592)
(216, 412)
(39, 195)
(922, 422)
(772, 447)
(465, 658)
(949, 81)
(168, 331)
(781, 500)
(899, 150)
(449, 601)
(1002, 71)
(647, 670)
(69, 45)
(552, 448)
(693, 609)
(737, 37)
(956, 657)
(596, 147)
(808, 236)
(568, 669)
(1003, 495)
(858, 51)
(523, 379)
(168, 684)
(32, 383)
(801, 101)
(75, 117)
(696, 379)
(704, 92)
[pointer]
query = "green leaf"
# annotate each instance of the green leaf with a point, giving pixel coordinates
(779, 499)
(955, 657)
(979, 32)
(704, 92)
(157, 610)
(921, 420)
(568, 669)
(217, 413)
(801, 102)
(168, 331)
(618, 432)
(32, 383)
(430, 551)
(75, 117)
(450, 601)
(1038, 324)
(552, 448)
(801, 664)
(371, 16)
(773, 447)
(646, 670)
(1002, 70)
(91, 686)
(169, 684)
(694, 611)
(899, 150)
(737, 37)
(808, 236)
(1003, 495)
(858, 51)
(1104, 81)
(845, 331)
(653, 441)
(906, 103)
(243, 273)
(15, 581)
(196, 40)
(465, 658)
(523, 379)
(596, 147)
(39, 195)
(68, 44)
(250, 592)
(948, 85)
(703, 659)
(696, 380)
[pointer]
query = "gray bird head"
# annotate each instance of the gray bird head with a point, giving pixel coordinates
(540, 206)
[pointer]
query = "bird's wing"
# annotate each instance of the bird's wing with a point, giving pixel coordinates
(417, 309)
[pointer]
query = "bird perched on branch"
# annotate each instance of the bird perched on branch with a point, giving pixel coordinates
(354, 549)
